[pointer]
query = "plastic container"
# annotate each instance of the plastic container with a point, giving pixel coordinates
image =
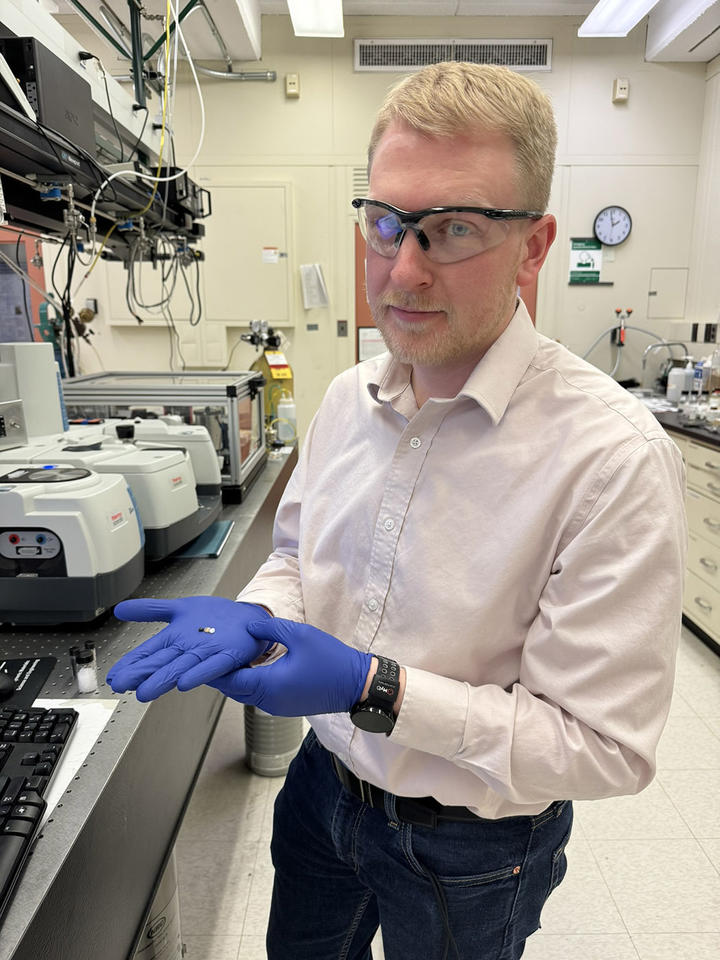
(675, 384)
(286, 418)
(689, 373)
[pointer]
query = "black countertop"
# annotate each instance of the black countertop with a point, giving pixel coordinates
(671, 421)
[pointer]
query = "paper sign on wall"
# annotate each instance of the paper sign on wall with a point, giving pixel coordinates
(314, 290)
(270, 254)
(585, 260)
(370, 343)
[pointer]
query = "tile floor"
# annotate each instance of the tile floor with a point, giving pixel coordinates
(643, 881)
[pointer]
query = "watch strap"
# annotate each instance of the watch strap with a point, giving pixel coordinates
(385, 685)
(375, 714)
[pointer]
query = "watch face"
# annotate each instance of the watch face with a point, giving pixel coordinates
(372, 719)
(612, 225)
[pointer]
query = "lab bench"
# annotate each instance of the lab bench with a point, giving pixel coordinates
(87, 888)
(700, 449)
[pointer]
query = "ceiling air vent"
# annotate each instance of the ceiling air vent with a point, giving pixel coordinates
(399, 56)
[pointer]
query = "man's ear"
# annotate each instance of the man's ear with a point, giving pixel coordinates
(537, 241)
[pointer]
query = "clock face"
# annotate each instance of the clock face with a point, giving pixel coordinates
(612, 225)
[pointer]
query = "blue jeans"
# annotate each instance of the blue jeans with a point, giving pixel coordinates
(458, 891)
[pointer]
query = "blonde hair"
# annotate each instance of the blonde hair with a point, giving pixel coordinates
(449, 99)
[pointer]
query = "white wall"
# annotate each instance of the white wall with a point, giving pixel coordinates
(643, 155)
(704, 295)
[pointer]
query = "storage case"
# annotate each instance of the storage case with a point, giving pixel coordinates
(229, 405)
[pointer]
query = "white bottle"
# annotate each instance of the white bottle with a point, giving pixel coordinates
(286, 418)
(689, 374)
(675, 384)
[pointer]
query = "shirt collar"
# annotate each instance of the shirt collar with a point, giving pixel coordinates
(492, 382)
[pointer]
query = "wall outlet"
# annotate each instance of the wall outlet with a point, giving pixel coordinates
(292, 85)
(342, 328)
(621, 90)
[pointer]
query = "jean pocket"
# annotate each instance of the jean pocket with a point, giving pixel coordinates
(458, 860)
(559, 864)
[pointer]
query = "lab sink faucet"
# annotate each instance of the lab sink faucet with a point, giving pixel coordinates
(663, 343)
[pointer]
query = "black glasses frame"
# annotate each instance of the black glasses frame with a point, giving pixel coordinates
(411, 217)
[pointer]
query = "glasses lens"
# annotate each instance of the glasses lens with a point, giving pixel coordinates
(446, 237)
(456, 235)
(381, 229)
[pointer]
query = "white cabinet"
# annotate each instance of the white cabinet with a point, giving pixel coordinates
(149, 287)
(247, 271)
(203, 345)
(247, 267)
(701, 600)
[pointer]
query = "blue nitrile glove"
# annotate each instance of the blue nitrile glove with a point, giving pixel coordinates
(318, 674)
(154, 667)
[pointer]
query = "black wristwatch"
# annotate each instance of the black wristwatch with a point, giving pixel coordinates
(376, 713)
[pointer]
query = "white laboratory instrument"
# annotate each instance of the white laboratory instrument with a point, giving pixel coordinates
(161, 480)
(172, 432)
(71, 544)
(28, 372)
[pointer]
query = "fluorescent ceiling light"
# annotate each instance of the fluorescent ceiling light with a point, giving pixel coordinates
(316, 18)
(613, 18)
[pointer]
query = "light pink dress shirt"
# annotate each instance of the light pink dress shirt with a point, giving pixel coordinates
(519, 549)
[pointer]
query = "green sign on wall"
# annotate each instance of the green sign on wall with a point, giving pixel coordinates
(585, 260)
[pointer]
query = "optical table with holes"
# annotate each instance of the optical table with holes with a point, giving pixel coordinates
(88, 886)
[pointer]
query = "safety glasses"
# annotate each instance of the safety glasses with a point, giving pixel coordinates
(445, 234)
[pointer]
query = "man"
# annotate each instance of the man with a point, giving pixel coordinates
(476, 582)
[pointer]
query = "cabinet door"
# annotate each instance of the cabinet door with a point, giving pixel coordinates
(204, 345)
(246, 268)
(151, 285)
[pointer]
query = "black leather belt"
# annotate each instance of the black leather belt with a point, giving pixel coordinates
(419, 811)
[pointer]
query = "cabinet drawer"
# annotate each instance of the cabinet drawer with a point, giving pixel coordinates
(704, 560)
(702, 604)
(703, 468)
(703, 515)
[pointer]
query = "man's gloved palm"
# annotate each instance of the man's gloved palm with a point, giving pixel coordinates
(154, 667)
(318, 674)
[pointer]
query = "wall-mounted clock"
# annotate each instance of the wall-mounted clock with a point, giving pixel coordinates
(612, 225)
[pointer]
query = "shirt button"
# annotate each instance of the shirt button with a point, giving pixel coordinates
(372, 604)
(389, 524)
(415, 442)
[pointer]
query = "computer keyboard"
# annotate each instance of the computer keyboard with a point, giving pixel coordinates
(31, 743)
